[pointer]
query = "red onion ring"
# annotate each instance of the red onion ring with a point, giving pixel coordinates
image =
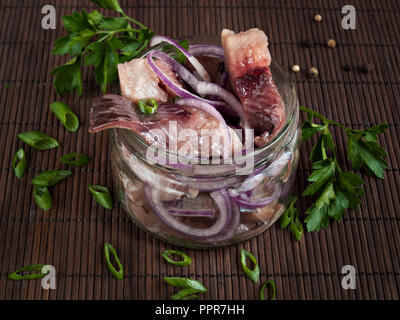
(201, 87)
(231, 229)
(179, 212)
(244, 200)
(169, 83)
(273, 170)
(201, 50)
(222, 223)
(192, 59)
(243, 194)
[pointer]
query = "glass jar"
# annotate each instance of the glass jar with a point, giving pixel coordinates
(220, 214)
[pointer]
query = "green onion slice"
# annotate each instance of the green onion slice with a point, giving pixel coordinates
(32, 276)
(185, 262)
(38, 140)
(75, 159)
(117, 274)
(290, 217)
(149, 106)
(50, 178)
(297, 228)
(19, 163)
(190, 288)
(42, 197)
(102, 196)
(185, 294)
(271, 284)
(254, 274)
(65, 115)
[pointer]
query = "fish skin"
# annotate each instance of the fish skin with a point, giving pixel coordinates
(114, 111)
(248, 60)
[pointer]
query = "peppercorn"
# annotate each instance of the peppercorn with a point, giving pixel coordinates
(317, 18)
(313, 72)
(307, 43)
(296, 68)
(331, 43)
(346, 67)
(366, 67)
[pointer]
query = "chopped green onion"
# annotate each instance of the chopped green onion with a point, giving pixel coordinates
(32, 276)
(185, 262)
(254, 274)
(19, 163)
(42, 197)
(117, 274)
(297, 228)
(272, 284)
(185, 294)
(50, 178)
(190, 288)
(65, 115)
(290, 217)
(285, 219)
(149, 106)
(38, 140)
(102, 196)
(75, 159)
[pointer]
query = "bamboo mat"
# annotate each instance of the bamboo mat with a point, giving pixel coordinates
(71, 235)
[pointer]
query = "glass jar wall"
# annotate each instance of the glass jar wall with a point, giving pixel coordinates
(205, 205)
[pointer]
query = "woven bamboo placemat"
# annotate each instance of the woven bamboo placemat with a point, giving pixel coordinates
(71, 235)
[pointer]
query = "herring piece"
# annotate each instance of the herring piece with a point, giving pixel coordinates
(139, 82)
(191, 130)
(248, 60)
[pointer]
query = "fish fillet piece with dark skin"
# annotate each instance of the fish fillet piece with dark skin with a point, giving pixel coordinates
(248, 61)
(114, 111)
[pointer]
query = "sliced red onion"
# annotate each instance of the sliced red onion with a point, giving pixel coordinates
(244, 200)
(273, 170)
(222, 222)
(192, 59)
(201, 50)
(212, 185)
(224, 80)
(206, 107)
(243, 195)
(231, 229)
(178, 212)
(181, 92)
(215, 90)
(201, 87)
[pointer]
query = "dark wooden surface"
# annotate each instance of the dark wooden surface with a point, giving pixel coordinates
(71, 235)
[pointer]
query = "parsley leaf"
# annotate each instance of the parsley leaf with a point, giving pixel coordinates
(68, 76)
(76, 22)
(109, 4)
(334, 189)
(104, 57)
(365, 151)
(99, 41)
(177, 55)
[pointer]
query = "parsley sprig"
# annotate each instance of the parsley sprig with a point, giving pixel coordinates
(99, 41)
(335, 189)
